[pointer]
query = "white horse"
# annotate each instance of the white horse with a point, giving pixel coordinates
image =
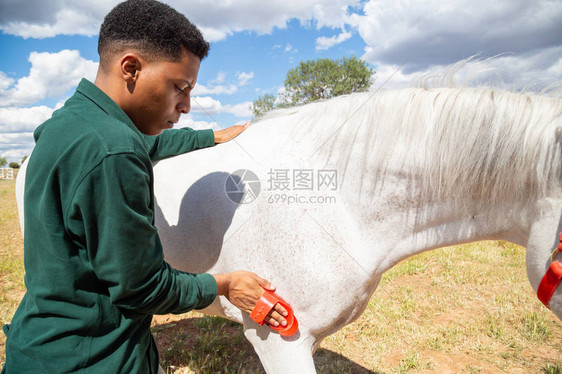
(323, 199)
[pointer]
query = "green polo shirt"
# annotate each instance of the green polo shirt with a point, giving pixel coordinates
(95, 271)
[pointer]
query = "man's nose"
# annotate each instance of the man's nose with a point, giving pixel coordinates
(184, 107)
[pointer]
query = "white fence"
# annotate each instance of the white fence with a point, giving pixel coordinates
(6, 173)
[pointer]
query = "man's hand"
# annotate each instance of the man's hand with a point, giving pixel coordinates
(242, 289)
(222, 136)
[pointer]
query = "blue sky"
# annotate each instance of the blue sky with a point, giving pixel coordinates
(47, 47)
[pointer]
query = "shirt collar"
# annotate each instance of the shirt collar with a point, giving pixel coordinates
(106, 103)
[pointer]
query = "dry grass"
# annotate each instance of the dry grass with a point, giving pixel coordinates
(465, 309)
(11, 257)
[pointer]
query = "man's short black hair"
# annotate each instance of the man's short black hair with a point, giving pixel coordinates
(151, 27)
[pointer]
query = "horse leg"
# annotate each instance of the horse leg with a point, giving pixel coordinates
(543, 238)
(278, 354)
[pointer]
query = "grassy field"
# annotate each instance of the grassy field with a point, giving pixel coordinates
(465, 309)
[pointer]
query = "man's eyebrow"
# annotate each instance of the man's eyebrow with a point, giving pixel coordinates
(189, 84)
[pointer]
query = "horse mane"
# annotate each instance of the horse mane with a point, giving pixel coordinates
(480, 144)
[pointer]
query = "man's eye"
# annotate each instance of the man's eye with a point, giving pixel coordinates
(179, 90)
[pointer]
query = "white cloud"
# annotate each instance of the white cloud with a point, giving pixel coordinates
(209, 106)
(434, 32)
(212, 34)
(41, 19)
(5, 81)
(14, 146)
(229, 17)
(51, 75)
(240, 110)
(188, 121)
(244, 78)
(206, 104)
(532, 71)
(23, 119)
(323, 43)
(428, 33)
(16, 130)
(201, 89)
(222, 89)
(221, 78)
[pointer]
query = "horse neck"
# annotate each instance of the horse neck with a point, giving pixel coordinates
(427, 169)
(397, 225)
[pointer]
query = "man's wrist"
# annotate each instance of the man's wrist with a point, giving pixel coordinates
(223, 283)
(217, 136)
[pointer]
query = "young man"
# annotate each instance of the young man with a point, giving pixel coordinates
(94, 264)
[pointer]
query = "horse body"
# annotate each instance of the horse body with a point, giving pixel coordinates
(203, 230)
(416, 170)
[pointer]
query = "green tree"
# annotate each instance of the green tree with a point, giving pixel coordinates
(263, 104)
(14, 165)
(326, 78)
(23, 159)
(318, 79)
(3, 162)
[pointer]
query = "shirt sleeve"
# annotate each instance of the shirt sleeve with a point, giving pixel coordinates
(173, 142)
(112, 211)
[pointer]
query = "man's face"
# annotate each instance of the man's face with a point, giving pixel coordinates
(163, 93)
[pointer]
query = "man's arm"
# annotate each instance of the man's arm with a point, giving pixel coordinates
(111, 215)
(177, 141)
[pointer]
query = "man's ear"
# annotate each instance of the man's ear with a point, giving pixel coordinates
(130, 67)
